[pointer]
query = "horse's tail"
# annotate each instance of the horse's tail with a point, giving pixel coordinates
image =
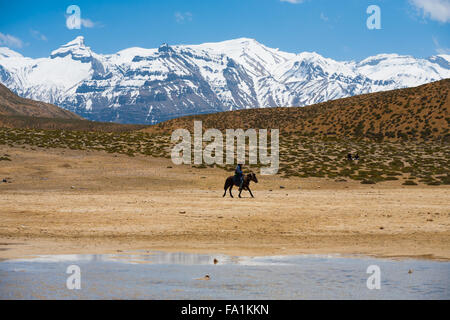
(227, 183)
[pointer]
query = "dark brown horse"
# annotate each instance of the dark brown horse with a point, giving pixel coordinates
(230, 182)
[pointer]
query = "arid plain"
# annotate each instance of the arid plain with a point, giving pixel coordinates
(78, 201)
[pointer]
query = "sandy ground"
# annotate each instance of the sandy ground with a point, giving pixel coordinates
(63, 201)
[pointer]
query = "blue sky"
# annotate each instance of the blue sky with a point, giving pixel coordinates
(335, 29)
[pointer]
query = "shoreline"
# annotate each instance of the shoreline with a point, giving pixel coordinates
(26, 248)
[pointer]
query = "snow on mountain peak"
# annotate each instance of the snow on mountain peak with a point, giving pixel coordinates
(444, 56)
(383, 57)
(138, 85)
(252, 55)
(238, 42)
(309, 55)
(165, 48)
(78, 41)
(443, 60)
(8, 53)
(76, 48)
(315, 58)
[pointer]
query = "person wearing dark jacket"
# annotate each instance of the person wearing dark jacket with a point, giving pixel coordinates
(239, 175)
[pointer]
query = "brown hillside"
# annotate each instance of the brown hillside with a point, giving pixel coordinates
(413, 113)
(13, 105)
(21, 113)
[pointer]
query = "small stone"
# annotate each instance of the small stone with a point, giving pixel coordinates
(410, 271)
(282, 187)
(206, 277)
(216, 261)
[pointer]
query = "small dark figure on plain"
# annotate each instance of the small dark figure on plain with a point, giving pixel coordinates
(231, 181)
(356, 157)
(349, 157)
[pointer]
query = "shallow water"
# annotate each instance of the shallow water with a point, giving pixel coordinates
(160, 275)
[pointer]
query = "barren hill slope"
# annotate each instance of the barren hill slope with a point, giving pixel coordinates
(13, 105)
(413, 113)
(21, 113)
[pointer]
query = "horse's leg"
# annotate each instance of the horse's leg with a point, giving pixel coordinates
(225, 188)
(248, 188)
(240, 190)
(231, 195)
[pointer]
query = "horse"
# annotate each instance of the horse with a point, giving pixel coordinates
(230, 182)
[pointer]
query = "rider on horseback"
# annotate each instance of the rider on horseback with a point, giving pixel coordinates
(239, 180)
(239, 175)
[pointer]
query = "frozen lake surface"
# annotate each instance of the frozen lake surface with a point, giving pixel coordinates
(161, 275)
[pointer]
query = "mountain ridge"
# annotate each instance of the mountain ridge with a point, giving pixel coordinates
(138, 85)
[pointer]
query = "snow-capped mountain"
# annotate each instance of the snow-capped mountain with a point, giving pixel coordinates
(139, 85)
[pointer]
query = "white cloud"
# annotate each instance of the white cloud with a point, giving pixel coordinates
(293, 1)
(37, 35)
(10, 41)
(438, 10)
(323, 17)
(87, 23)
(183, 17)
(439, 49)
